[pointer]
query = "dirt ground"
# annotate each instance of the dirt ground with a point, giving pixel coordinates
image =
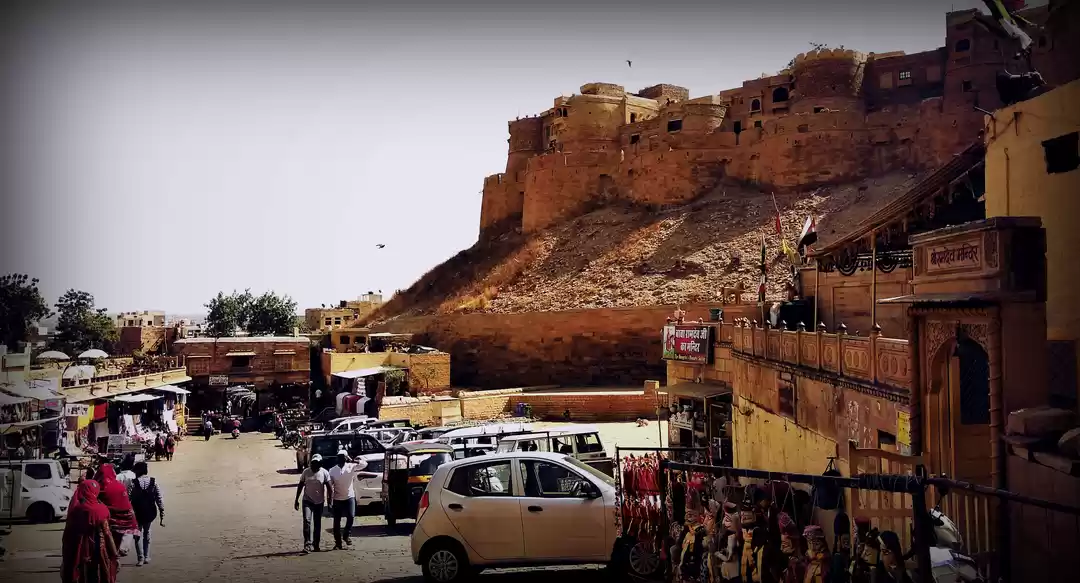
(229, 518)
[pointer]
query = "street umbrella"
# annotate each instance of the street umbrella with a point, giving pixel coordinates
(52, 355)
(94, 354)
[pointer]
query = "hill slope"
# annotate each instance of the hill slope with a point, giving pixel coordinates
(627, 256)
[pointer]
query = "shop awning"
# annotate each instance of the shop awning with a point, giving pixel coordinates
(20, 425)
(697, 390)
(245, 353)
(39, 389)
(6, 399)
(142, 397)
(173, 389)
(364, 372)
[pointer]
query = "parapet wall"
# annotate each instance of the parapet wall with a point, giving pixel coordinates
(608, 346)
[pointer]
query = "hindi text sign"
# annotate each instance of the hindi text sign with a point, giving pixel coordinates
(963, 255)
(688, 343)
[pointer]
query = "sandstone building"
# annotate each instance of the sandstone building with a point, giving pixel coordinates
(832, 116)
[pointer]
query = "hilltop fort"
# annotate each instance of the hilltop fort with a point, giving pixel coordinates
(833, 116)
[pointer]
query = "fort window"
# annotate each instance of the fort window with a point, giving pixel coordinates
(1042, 42)
(755, 105)
(1062, 153)
(757, 123)
(803, 128)
(633, 117)
(818, 109)
(885, 81)
(962, 45)
(345, 340)
(635, 138)
(738, 127)
(780, 94)
(905, 75)
(674, 125)
(966, 86)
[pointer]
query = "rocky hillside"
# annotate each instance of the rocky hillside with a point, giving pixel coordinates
(627, 256)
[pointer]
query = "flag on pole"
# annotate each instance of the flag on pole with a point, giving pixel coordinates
(791, 255)
(779, 225)
(808, 236)
(764, 271)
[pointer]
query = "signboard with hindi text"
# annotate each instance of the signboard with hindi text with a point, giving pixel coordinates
(219, 380)
(688, 343)
(959, 255)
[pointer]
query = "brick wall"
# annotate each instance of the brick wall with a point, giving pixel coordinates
(600, 347)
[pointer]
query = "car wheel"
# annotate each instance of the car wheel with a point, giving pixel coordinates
(445, 563)
(40, 512)
(642, 561)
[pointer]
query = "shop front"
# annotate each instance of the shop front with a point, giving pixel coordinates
(699, 415)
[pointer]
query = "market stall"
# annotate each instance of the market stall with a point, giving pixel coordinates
(700, 416)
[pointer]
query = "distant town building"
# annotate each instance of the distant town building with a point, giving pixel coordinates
(342, 315)
(143, 318)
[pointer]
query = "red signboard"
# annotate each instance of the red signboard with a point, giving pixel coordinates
(688, 343)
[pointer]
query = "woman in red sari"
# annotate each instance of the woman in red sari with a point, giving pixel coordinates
(115, 497)
(89, 553)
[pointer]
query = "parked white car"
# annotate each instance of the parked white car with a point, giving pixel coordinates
(513, 510)
(37, 500)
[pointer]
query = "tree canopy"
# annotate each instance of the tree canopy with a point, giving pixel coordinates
(21, 305)
(264, 315)
(81, 326)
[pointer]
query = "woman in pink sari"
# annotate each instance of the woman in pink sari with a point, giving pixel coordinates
(115, 497)
(89, 553)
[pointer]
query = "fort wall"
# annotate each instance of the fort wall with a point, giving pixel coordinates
(832, 116)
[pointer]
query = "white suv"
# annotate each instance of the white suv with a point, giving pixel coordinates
(513, 510)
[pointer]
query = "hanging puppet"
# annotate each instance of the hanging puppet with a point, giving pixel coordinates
(891, 569)
(793, 560)
(865, 561)
(728, 544)
(817, 554)
(750, 523)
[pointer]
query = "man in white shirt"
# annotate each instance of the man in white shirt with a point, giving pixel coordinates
(342, 478)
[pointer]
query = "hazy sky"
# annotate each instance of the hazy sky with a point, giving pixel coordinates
(154, 153)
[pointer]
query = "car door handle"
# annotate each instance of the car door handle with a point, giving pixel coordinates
(535, 509)
(456, 507)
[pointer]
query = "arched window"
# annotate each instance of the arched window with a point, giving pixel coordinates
(755, 105)
(780, 94)
(974, 383)
(962, 45)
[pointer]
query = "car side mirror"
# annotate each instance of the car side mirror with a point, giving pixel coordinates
(584, 489)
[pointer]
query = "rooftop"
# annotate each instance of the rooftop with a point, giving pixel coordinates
(244, 340)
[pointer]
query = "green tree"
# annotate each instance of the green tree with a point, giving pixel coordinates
(271, 315)
(264, 315)
(81, 326)
(21, 305)
(227, 313)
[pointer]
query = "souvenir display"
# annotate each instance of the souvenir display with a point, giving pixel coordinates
(841, 558)
(793, 561)
(639, 499)
(729, 544)
(817, 553)
(865, 561)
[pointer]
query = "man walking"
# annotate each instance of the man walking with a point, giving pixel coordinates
(147, 504)
(316, 487)
(343, 477)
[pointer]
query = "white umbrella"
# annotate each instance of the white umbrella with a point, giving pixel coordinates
(53, 355)
(94, 354)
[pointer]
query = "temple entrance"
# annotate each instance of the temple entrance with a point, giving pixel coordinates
(957, 412)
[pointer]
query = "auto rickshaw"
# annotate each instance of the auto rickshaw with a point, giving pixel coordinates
(407, 469)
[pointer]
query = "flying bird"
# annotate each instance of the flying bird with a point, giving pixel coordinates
(380, 245)
(629, 63)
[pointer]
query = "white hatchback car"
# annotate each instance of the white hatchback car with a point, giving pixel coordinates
(513, 510)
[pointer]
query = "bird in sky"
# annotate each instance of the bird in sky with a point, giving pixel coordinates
(629, 63)
(380, 245)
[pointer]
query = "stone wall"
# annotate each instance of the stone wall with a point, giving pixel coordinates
(833, 117)
(601, 347)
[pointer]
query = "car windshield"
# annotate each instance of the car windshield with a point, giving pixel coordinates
(589, 469)
(328, 447)
(425, 465)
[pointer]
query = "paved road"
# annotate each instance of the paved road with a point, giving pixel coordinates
(229, 518)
